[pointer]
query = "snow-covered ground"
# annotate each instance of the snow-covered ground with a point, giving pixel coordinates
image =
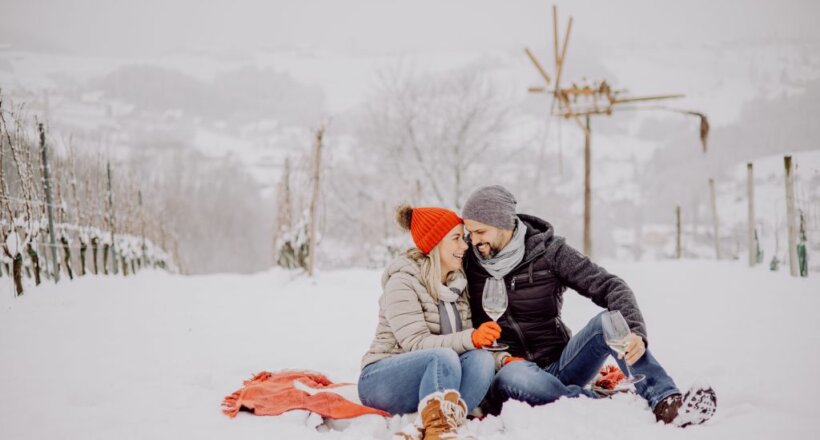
(152, 356)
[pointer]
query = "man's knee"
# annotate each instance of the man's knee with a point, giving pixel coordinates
(517, 375)
(596, 325)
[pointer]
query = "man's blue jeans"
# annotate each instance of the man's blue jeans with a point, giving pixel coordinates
(398, 383)
(579, 363)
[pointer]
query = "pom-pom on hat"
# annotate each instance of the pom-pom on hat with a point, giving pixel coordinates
(427, 225)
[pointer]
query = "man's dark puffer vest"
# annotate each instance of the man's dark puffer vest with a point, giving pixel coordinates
(532, 324)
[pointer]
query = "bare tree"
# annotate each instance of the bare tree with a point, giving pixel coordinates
(435, 130)
(7, 214)
(22, 229)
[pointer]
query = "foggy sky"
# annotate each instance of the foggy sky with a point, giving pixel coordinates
(153, 27)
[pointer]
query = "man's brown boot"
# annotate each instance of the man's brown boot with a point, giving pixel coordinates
(697, 406)
(667, 409)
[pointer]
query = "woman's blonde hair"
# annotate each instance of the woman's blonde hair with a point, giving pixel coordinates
(430, 265)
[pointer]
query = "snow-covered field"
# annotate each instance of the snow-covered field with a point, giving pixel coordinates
(152, 356)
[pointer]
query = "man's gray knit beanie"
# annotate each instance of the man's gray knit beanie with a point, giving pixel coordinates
(491, 205)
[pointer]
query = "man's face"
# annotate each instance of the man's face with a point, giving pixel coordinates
(488, 240)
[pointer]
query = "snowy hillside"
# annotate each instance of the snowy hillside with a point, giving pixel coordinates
(152, 356)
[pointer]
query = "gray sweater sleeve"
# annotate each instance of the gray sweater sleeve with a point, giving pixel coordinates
(594, 282)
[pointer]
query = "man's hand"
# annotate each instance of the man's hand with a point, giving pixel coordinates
(635, 348)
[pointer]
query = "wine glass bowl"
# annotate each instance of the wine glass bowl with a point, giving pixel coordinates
(616, 332)
(494, 302)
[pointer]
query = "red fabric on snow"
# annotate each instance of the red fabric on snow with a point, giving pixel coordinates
(271, 394)
(609, 377)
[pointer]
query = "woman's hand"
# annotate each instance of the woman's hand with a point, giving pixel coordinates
(485, 334)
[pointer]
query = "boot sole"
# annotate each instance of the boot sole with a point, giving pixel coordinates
(698, 406)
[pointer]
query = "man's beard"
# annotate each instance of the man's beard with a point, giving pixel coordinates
(493, 251)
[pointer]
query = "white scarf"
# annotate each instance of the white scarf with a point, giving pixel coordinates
(509, 257)
(452, 291)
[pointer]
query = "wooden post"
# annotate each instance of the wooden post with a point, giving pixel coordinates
(83, 250)
(47, 184)
(111, 222)
(750, 183)
(678, 251)
(284, 218)
(715, 222)
(17, 272)
(106, 247)
(143, 259)
(95, 243)
(587, 191)
(67, 257)
(802, 252)
(791, 217)
(314, 201)
(555, 38)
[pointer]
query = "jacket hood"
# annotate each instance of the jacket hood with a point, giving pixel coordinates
(537, 226)
(401, 264)
(540, 236)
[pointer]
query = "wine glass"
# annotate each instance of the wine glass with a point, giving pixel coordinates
(494, 302)
(616, 331)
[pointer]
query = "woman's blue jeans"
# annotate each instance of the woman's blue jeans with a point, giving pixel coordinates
(579, 363)
(398, 383)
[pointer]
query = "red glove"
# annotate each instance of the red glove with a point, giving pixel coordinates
(509, 359)
(485, 334)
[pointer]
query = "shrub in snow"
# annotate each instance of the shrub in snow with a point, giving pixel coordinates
(292, 251)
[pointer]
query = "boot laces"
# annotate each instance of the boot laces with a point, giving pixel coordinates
(454, 413)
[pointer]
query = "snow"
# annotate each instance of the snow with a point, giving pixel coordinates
(13, 243)
(152, 355)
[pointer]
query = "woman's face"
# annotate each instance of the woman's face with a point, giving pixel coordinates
(451, 250)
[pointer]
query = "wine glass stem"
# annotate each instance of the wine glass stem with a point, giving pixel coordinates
(628, 370)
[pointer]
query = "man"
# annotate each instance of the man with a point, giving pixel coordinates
(544, 362)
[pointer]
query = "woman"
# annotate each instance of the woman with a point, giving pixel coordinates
(423, 357)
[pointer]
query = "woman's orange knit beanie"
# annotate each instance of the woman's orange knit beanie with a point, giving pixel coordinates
(427, 225)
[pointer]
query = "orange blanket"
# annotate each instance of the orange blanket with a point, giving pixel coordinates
(271, 394)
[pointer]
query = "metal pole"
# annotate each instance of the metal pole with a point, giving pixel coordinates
(314, 201)
(111, 214)
(678, 250)
(144, 257)
(715, 222)
(47, 177)
(750, 183)
(587, 191)
(790, 216)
